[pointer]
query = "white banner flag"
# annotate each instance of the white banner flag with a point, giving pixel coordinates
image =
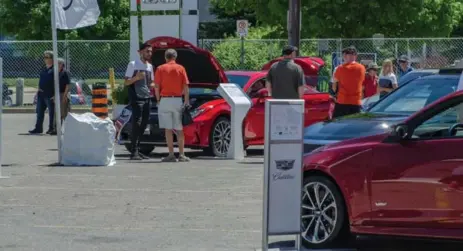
(74, 14)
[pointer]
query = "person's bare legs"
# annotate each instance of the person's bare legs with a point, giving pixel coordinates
(181, 142)
(170, 141)
(170, 144)
(181, 146)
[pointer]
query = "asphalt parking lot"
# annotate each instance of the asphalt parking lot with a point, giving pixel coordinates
(207, 204)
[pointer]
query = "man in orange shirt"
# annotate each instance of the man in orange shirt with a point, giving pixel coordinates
(171, 84)
(348, 81)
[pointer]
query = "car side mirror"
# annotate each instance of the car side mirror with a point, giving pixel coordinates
(400, 132)
(262, 93)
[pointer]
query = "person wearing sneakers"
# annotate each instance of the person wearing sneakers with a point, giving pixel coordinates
(171, 83)
(139, 79)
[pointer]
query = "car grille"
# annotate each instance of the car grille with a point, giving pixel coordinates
(310, 147)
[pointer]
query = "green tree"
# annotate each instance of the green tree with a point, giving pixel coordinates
(359, 18)
(31, 20)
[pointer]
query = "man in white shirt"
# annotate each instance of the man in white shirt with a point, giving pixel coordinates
(139, 77)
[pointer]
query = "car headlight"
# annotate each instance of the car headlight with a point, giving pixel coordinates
(196, 112)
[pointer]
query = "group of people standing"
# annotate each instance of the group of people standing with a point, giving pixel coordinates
(46, 94)
(353, 81)
(170, 84)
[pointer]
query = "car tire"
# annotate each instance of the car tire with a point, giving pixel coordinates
(219, 132)
(327, 214)
(144, 149)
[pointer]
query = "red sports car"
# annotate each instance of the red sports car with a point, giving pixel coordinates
(404, 181)
(211, 128)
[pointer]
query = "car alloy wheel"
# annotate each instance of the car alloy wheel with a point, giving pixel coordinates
(323, 212)
(221, 137)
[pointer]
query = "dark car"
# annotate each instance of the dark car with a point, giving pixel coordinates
(6, 95)
(394, 108)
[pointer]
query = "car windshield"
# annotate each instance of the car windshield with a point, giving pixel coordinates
(415, 95)
(412, 75)
(240, 80)
(200, 91)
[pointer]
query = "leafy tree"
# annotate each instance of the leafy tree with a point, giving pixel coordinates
(359, 18)
(31, 20)
(226, 25)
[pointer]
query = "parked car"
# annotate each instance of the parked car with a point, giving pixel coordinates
(402, 176)
(79, 91)
(211, 129)
(6, 95)
(370, 101)
(395, 107)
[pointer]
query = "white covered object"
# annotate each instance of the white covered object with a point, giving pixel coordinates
(88, 140)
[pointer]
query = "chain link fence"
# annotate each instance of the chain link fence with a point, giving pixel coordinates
(91, 60)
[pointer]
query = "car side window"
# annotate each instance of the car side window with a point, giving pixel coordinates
(256, 87)
(439, 125)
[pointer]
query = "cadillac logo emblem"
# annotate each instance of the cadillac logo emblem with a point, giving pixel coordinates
(284, 164)
(160, 1)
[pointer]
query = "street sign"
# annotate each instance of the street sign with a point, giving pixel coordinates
(242, 27)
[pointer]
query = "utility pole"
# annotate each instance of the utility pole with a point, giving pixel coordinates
(294, 23)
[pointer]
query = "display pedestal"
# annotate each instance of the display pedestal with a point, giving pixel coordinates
(239, 105)
(284, 125)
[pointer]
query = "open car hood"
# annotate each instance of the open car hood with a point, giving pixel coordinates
(310, 65)
(201, 66)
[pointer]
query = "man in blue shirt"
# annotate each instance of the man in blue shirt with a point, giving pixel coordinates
(45, 95)
(404, 66)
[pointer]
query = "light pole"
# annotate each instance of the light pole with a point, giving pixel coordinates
(294, 23)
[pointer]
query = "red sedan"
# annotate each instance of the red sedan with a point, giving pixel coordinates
(211, 129)
(407, 181)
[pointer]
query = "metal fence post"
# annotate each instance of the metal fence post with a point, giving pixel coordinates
(19, 91)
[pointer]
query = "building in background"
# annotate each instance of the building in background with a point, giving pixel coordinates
(204, 13)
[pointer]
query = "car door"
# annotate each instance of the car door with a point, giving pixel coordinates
(417, 182)
(254, 124)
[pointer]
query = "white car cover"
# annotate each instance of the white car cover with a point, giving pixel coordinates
(88, 141)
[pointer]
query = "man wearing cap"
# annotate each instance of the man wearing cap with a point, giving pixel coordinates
(139, 78)
(370, 84)
(404, 66)
(285, 79)
(348, 82)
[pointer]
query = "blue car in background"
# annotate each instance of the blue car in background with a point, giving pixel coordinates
(391, 109)
(407, 78)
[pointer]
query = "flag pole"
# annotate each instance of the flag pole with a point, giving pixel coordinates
(57, 98)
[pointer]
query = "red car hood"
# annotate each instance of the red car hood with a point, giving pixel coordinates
(201, 65)
(310, 65)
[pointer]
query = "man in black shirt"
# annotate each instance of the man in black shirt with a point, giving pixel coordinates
(45, 95)
(64, 86)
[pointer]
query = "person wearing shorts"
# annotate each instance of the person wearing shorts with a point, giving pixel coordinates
(348, 82)
(171, 82)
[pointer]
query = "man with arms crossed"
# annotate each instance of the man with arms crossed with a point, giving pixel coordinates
(348, 81)
(139, 77)
(171, 84)
(285, 79)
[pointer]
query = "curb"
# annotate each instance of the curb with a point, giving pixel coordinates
(31, 110)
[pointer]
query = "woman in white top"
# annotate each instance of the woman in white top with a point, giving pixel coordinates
(387, 79)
